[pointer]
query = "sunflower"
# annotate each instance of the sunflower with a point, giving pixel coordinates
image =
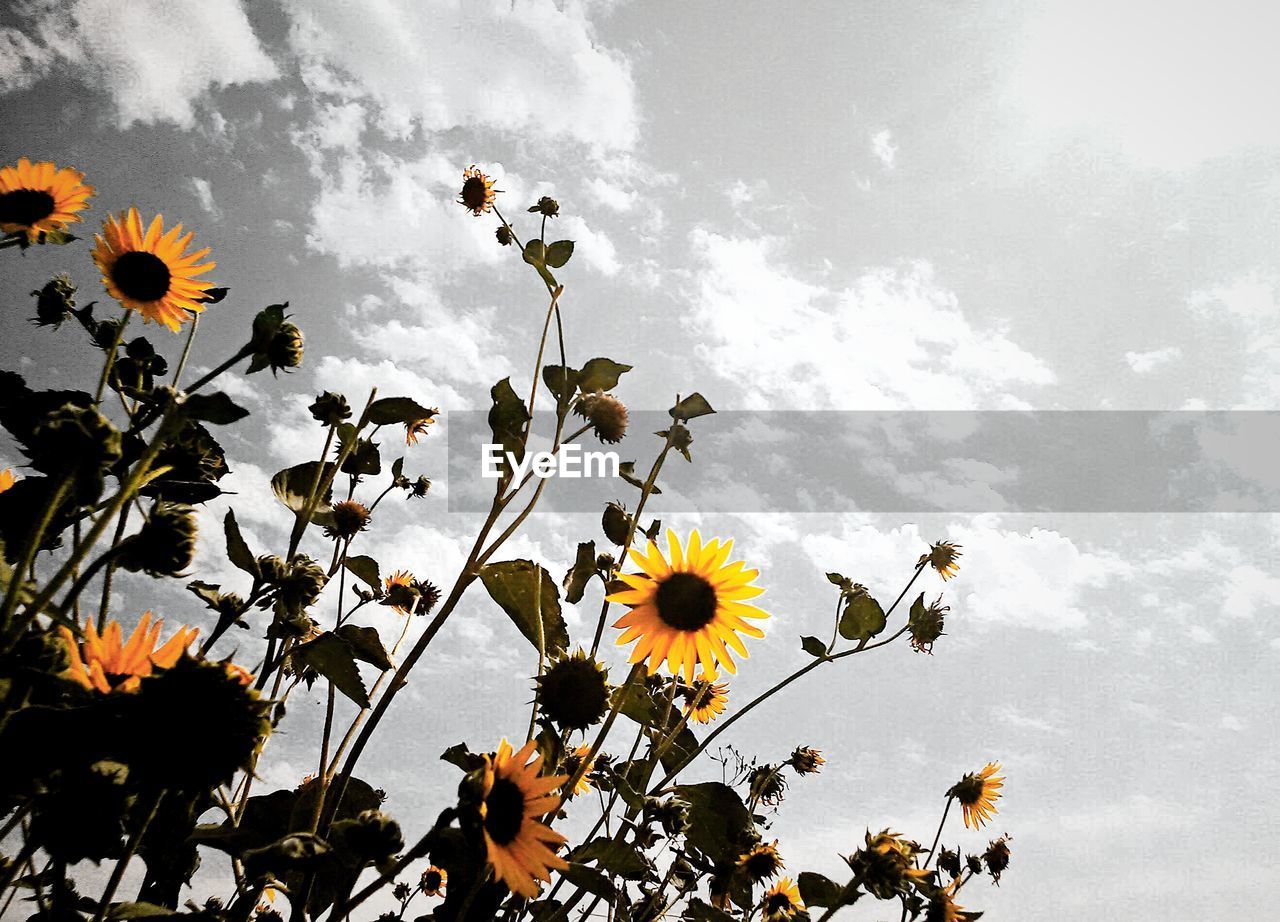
(781, 901)
(806, 760)
(705, 700)
(761, 862)
(107, 663)
(978, 793)
(690, 610)
(151, 271)
(39, 198)
(520, 846)
(571, 763)
(399, 591)
(415, 428)
(477, 191)
(942, 557)
(433, 881)
(7, 479)
(942, 907)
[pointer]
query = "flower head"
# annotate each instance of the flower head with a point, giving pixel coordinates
(150, 271)
(977, 793)
(7, 479)
(767, 784)
(806, 760)
(690, 610)
(40, 198)
(781, 901)
(704, 700)
(107, 663)
(572, 762)
(477, 191)
(574, 691)
(399, 591)
(942, 557)
(417, 427)
(349, 519)
(761, 862)
(997, 857)
(520, 847)
(55, 301)
(926, 623)
(606, 414)
(433, 881)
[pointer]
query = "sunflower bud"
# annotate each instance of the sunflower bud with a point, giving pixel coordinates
(372, 835)
(607, 415)
(574, 691)
(428, 596)
(55, 301)
(605, 563)
(330, 409)
(926, 624)
(546, 206)
(767, 785)
(504, 236)
(285, 349)
(76, 442)
(616, 523)
(272, 568)
(949, 861)
(166, 543)
(973, 863)
(997, 857)
(886, 864)
(420, 488)
(349, 519)
(300, 587)
(806, 761)
(671, 814)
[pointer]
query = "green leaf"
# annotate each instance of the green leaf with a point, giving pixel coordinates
(507, 419)
(140, 911)
(584, 567)
(561, 381)
(527, 594)
(718, 819)
(862, 618)
(617, 858)
(216, 408)
(388, 411)
(535, 252)
(837, 579)
(590, 880)
(558, 253)
(237, 550)
(458, 754)
(366, 644)
(207, 592)
(813, 646)
(691, 407)
(333, 658)
(818, 890)
(627, 471)
(601, 374)
(698, 911)
(292, 486)
(366, 570)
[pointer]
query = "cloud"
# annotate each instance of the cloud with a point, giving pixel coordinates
(155, 58)
(528, 67)
(893, 339)
(204, 195)
(883, 147)
(1250, 307)
(1146, 362)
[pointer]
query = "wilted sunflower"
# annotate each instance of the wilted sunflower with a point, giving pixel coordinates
(942, 557)
(39, 198)
(7, 479)
(107, 663)
(978, 793)
(761, 862)
(781, 901)
(151, 271)
(520, 846)
(399, 591)
(806, 760)
(942, 907)
(433, 881)
(705, 700)
(477, 191)
(415, 428)
(688, 610)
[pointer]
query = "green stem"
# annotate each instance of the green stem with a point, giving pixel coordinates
(111, 357)
(186, 351)
(32, 549)
(130, 850)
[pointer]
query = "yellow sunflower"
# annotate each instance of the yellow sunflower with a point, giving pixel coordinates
(399, 591)
(521, 848)
(477, 191)
(151, 271)
(705, 700)
(571, 767)
(977, 793)
(942, 907)
(781, 901)
(943, 557)
(689, 611)
(108, 663)
(7, 479)
(39, 198)
(761, 862)
(415, 428)
(433, 881)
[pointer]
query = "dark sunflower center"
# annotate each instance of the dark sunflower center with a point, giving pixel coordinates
(25, 206)
(141, 276)
(431, 880)
(686, 602)
(474, 192)
(504, 811)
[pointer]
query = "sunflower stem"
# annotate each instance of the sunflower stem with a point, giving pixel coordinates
(111, 358)
(31, 550)
(938, 836)
(117, 874)
(186, 352)
(242, 353)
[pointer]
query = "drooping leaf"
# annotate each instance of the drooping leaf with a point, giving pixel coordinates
(813, 646)
(717, 817)
(237, 550)
(507, 419)
(458, 754)
(584, 567)
(292, 486)
(332, 657)
(698, 911)
(561, 381)
(627, 471)
(526, 592)
(366, 644)
(590, 880)
(862, 618)
(216, 408)
(366, 570)
(558, 253)
(617, 858)
(387, 411)
(601, 374)
(818, 890)
(691, 407)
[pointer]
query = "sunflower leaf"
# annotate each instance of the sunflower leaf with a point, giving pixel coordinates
(558, 253)
(862, 618)
(584, 567)
(292, 485)
(561, 381)
(601, 374)
(366, 645)
(813, 646)
(617, 858)
(690, 407)
(819, 890)
(698, 911)
(507, 419)
(237, 550)
(216, 408)
(590, 880)
(529, 596)
(332, 657)
(388, 411)
(718, 819)
(627, 471)
(366, 570)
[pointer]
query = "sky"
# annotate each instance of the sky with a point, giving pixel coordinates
(875, 206)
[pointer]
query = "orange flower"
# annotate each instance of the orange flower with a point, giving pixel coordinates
(39, 198)
(106, 663)
(7, 479)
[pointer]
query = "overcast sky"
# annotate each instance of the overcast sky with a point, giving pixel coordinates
(835, 206)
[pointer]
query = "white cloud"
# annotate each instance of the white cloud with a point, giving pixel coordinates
(893, 339)
(883, 147)
(1172, 82)
(155, 58)
(1249, 304)
(1146, 362)
(524, 67)
(204, 195)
